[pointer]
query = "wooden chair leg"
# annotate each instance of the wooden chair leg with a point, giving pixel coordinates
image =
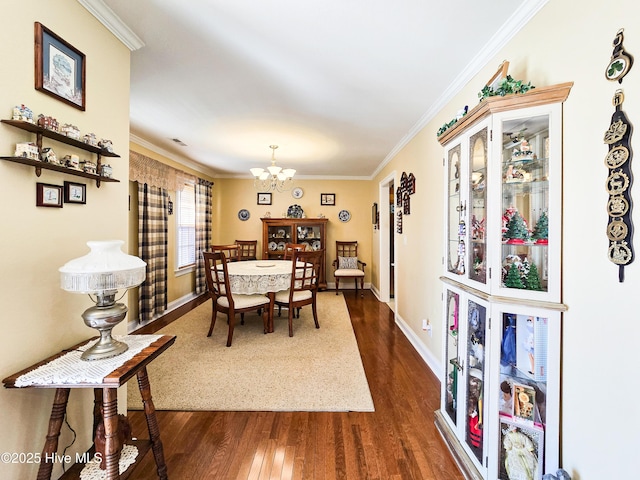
(213, 321)
(315, 313)
(242, 319)
(232, 321)
(291, 313)
(362, 287)
(337, 285)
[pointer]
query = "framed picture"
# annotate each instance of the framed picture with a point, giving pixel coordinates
(374, 214)
(264, 199)
(60, 68)
(327, 199)
(75, 192)
(48, 195)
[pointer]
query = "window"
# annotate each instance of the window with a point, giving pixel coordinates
(186, 227)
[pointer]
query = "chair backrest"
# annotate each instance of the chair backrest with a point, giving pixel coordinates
(215, 270)
(346, 249)
(231, 251)
(247, 249)
(289, 248)
(305, 270)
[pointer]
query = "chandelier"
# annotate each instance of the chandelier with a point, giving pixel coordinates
(273, 178)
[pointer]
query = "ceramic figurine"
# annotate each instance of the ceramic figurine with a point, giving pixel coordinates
(27, 150)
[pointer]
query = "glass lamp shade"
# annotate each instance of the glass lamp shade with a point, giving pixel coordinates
(256, 172)
(102, 272)
(105, 268)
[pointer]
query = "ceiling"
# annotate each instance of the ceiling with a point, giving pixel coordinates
(339, 85)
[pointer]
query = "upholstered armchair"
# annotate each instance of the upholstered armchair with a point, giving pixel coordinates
(347, 265)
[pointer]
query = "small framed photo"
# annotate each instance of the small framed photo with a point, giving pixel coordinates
(60, 68)
(48, 195)
(75, 192)
(327, 199)
(264, 199)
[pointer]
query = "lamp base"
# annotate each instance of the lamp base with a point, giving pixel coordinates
(104, 317)
(107, 349)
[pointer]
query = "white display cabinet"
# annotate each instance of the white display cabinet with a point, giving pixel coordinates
(502, 302)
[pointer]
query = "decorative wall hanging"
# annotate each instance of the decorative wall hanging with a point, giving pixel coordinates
(407, 187)
(60, 68)
(620, 62)
(618, 185)
(399, 221)
(328, 199)
(264, 198)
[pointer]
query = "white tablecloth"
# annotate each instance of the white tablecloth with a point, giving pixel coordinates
(259, 276)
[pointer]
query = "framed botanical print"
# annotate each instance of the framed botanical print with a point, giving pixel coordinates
(60, 68)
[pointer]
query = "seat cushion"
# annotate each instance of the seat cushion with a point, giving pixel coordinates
(283, 297)
(348, 272)
(244, 301)
(347, 262)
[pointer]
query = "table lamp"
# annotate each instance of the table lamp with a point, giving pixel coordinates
(102, 272)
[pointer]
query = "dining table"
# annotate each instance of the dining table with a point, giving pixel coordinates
(264, 277)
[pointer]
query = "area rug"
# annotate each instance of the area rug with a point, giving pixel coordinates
(315, 370)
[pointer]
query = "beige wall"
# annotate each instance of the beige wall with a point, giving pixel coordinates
(38, 318)
(232, 195)
(562, 43)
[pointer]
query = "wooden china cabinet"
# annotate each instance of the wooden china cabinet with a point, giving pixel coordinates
(502, 297)
(276, 232)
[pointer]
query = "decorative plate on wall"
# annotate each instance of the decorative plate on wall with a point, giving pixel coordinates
(344, 215)
(297, 193)
(244, 215)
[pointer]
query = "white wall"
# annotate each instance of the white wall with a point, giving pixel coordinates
(566, 41)
(38, 318)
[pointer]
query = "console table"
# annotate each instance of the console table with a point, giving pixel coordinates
(105, 392)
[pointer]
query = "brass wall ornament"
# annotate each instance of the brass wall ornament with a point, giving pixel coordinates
(618, 186)
(620, 62)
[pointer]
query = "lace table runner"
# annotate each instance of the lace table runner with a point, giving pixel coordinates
(71, 369)
(92, 471)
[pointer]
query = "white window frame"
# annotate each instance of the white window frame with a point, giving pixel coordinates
(186, 227)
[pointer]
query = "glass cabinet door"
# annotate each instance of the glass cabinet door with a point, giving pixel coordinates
(475, 377)
(456, 226)
(526, 213)
(278, 236)
(478, 156)
(453, 363)
(309, 235)
(526, 392)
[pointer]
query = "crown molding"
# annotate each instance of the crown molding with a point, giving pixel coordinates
(114, 24)
(198, 167)
(510, 28)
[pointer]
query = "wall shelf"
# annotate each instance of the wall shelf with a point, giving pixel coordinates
(45, 133)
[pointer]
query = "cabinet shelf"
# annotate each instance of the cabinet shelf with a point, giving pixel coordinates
(45, 133)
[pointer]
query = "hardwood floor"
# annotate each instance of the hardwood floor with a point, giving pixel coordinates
(397, 441)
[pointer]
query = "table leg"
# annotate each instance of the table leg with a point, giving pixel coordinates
(55, 424)
(272, 299)
(152, 422)
(112, 447)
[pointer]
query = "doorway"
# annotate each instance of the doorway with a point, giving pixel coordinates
(387, 279)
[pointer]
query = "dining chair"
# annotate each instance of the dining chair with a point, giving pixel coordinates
(224, 301)
(347, 264)
(231, 251)
(305, 270)
(290, 247)
(247, 249)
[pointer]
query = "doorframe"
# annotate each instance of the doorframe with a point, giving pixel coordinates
(384, 246)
